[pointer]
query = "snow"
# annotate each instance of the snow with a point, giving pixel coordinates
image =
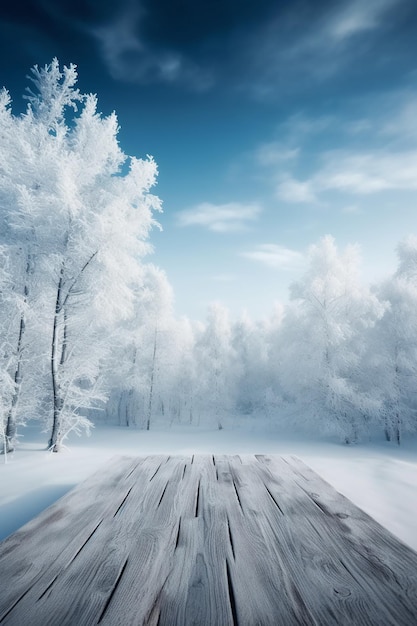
(380, 478)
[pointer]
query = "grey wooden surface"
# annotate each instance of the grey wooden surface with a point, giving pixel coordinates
(206, 541)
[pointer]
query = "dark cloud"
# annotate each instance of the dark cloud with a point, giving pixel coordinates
(188, 25)
(264, 47)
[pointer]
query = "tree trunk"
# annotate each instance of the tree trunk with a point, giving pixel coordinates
(54, 441)
(398, 420)
(119, 408)
(64, 346)
(130, 404)
(148, 420)
(11, 427)
(398, 428)
(59, 350)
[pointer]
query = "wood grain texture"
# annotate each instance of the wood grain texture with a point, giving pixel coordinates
(206, 541)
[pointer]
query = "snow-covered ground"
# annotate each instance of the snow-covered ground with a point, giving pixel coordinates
(380, 478)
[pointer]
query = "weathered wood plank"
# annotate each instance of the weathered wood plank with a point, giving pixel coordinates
(208, 598)
(89, 579)
(150, 557)
(49, 543)
(206, 540)
(258, 582)
(196, 591)
(338, 552)
(173, 599)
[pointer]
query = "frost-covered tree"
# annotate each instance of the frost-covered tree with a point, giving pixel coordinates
(216, 366)
(19, 194)
(392, 363)
(156, 333)
(143, 360)
(184, 381)
(7, 384)
(274, 393)
(83, 210)
(323, 332)
(251, 367)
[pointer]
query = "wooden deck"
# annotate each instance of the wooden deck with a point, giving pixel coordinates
(206, 541)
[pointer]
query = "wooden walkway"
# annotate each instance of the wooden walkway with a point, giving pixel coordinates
(206, 541)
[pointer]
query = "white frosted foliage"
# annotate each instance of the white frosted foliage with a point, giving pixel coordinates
(75, 227)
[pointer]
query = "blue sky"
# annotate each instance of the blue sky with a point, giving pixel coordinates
(273, 124)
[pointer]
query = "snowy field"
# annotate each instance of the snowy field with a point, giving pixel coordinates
(379, 478)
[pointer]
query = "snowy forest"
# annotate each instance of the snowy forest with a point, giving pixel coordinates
(87, 324)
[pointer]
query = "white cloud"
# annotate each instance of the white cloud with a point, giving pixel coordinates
(299, 125)
(119, 39)
(323, 42)
(274, 153)
(401, 120)
(275, 256)
(367, 173)
(359, 127)
(128, 58)
(358, 16)
(283, 50)
(293, 190)
(355, 173)
(379, 153)
(221, 218)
